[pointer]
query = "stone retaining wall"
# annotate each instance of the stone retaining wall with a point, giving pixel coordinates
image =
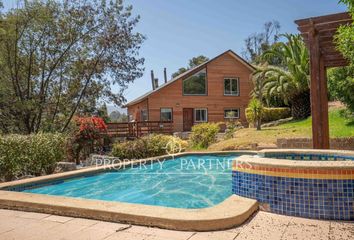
(335, 143)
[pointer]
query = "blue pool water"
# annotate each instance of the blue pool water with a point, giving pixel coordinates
(191, 181)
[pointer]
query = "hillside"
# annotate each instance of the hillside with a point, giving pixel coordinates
(244, 138)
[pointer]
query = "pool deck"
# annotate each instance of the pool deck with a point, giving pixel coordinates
(27, 225)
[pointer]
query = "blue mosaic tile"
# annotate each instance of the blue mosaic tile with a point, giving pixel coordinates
(311, 198)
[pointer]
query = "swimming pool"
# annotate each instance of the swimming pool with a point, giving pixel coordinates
(191, 181)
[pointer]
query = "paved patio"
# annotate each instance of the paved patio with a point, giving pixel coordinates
(36, 226)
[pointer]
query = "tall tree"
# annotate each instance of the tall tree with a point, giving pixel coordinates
(59, 57)
(341, 80)
(292, 81)
(345, 35)
(257, 43)
(195, 61)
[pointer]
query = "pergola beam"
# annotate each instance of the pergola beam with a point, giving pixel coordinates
(318, 35)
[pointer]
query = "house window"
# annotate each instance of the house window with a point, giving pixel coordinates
(143, 115)
(232, 113)
(166, 114)
(231, 87)
(200, 115)
(195, 84)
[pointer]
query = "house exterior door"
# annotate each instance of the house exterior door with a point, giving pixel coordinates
(187, 119)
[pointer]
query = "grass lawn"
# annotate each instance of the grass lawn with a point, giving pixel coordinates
(339, 127)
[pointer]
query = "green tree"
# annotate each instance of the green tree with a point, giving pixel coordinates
(195, 61)
(292, 81)
(103, 113)
(341, 85)
(117, 116)
(58, 58)
(345, 35)
(256, 108)
(179, 71)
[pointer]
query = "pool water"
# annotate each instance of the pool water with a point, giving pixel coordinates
(191, 181)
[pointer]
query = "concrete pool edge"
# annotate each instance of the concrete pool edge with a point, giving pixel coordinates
(232, 212)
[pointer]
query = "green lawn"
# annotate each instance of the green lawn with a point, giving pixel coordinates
(339, 127)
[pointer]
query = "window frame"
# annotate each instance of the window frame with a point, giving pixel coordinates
(170, 108)
(141, 115)
(130, 117)
(206, 83)
(195, 115)
(232, 109)
(237, 84)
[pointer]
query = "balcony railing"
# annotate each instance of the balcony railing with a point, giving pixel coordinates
(138, 129)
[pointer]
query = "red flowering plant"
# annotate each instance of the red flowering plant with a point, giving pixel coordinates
(90, 128)
(87, 135)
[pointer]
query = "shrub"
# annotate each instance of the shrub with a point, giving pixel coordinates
(22, 155)
(270, 114)
(204, 134)
(231, 128)
(148, 146)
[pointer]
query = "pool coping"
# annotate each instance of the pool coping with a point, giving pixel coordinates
(231, 212)
(307, 151)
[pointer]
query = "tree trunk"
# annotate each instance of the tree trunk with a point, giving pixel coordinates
(259, 123)
(301, 105)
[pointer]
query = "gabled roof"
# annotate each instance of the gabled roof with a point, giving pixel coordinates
(190, 72)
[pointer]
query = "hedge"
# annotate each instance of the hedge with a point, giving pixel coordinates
(270, 114)
(148, 146)
(30, 155)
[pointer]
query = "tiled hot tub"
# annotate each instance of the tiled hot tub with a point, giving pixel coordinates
(313, 184)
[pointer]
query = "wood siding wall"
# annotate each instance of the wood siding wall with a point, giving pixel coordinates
(171, 96)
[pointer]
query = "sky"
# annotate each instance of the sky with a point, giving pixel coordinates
(177, 30)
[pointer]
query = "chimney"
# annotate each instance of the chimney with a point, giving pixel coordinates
(152, 80)
(165, 74)
(156, 83)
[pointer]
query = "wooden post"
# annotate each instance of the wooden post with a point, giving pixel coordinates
(319, 101)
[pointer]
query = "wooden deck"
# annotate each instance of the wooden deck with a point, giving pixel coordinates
(138, 129)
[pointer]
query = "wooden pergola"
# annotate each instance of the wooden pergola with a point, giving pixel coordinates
(318, 35)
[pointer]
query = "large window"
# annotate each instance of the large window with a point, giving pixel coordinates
(166, 114)
(200, 115)
(232, 113)
(143, 115)
(231, 87)
(195, 84)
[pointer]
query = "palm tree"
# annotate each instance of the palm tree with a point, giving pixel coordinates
(291, 79)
